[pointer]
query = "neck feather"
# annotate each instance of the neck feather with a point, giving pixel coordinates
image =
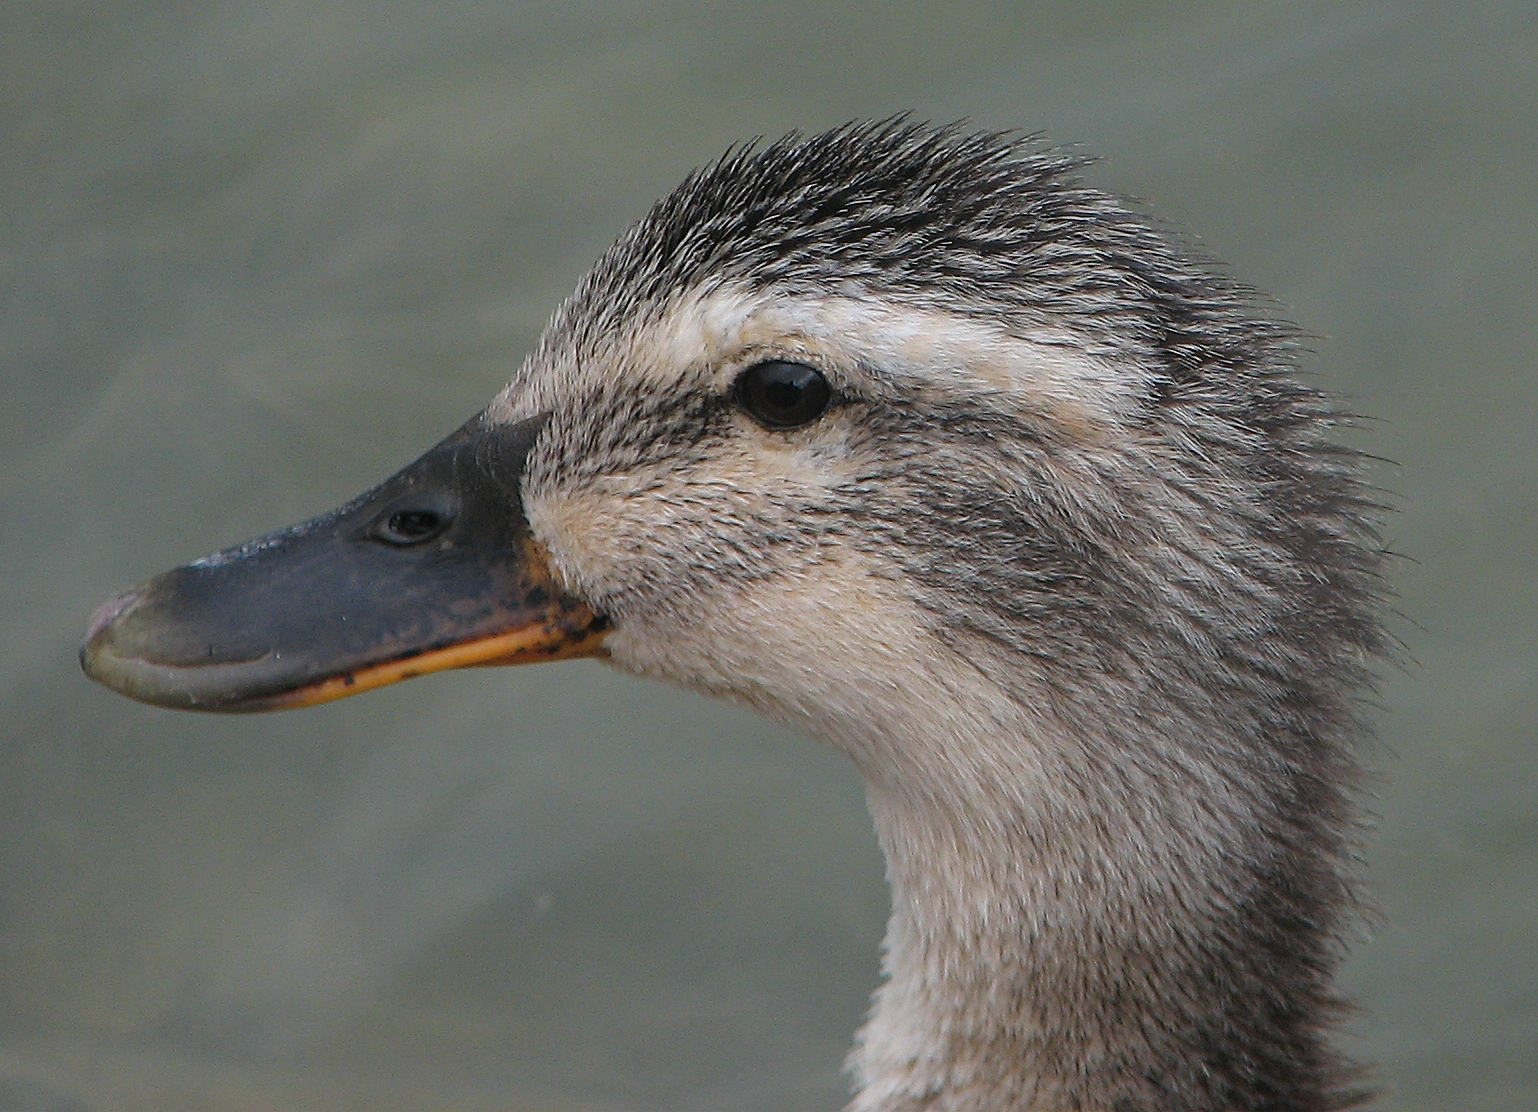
(1114, 885)
(1075, 931)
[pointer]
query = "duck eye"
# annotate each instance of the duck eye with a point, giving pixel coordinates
(780, 395)
(403, 528)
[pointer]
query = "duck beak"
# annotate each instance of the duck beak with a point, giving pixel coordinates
(435, 568)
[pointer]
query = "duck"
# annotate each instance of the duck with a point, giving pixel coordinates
(904, 436)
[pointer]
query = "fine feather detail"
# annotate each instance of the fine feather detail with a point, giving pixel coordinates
(1074, 569)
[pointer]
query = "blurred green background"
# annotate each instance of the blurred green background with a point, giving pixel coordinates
(257, 255)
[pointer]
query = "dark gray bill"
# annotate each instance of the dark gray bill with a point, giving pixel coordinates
(435, 568)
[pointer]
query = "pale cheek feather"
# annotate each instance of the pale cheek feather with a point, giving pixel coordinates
(836, 651)
(819, 639)
(619, 536)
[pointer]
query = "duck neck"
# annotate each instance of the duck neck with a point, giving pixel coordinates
(1092, 929)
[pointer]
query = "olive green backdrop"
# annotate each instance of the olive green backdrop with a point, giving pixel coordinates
(254, 256)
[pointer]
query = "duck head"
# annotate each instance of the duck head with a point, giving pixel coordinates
(884, 379)
(904, 437)
(767, 427)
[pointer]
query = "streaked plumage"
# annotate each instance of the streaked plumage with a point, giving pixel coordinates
(1073, 568)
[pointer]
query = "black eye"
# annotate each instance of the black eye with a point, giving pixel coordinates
(780, 395)
(410, 526)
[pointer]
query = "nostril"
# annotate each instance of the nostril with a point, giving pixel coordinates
(413, 525)
(410, 526)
